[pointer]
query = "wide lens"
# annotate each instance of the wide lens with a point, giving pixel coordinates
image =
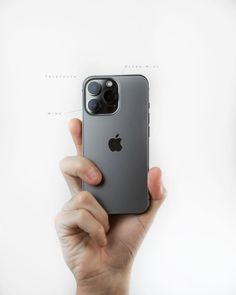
(94, 88)
(94, 105)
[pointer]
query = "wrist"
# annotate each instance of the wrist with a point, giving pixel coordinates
(114, 282)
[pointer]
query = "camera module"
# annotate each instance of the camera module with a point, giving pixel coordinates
(101, 96)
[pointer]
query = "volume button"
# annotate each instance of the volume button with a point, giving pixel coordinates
(148, 131)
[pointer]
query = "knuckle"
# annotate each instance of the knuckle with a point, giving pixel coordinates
(63, 163)
(83, 198)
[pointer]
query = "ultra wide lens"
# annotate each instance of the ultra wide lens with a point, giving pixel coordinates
(108, 96)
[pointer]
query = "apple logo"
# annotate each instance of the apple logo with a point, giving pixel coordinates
(114, 143)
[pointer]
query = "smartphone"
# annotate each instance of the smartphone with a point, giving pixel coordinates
(116, 140)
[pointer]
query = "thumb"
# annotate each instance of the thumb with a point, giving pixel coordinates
(157, 195)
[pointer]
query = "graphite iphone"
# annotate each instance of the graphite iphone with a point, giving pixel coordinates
(115, 138)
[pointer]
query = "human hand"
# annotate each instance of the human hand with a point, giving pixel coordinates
(100, 249)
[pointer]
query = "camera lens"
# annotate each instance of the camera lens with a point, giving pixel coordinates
(108, 96)
(94, 105)
(94, 88)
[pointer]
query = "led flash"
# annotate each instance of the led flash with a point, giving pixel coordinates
(109, 83)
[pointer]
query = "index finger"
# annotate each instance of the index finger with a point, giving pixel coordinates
(75, 127)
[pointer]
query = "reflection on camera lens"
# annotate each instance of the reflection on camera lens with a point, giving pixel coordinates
(94, 88)
(94, 105)
(108, 96)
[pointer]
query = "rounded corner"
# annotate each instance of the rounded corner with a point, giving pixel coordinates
(146, 208)
(144, 78)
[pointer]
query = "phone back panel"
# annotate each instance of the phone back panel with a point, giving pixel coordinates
(124, 187)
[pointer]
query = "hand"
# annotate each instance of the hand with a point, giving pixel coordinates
(100, 250)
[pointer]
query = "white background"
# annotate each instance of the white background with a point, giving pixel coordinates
(191, 247)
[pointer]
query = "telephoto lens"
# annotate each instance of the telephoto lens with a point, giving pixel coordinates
(94, 105)
(94, 88)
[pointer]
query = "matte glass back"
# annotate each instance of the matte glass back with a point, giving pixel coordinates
(124, 187)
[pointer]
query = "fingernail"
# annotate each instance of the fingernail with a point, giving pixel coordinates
(92, 174)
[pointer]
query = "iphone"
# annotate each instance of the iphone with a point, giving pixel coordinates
(116, 139)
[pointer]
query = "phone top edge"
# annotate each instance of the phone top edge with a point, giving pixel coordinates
(87, 79)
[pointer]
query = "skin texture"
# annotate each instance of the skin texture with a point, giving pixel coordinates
(100, 249)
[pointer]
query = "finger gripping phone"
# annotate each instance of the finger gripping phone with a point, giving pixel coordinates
(115, 138)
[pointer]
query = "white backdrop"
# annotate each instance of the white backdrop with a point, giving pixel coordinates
(188, 51)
